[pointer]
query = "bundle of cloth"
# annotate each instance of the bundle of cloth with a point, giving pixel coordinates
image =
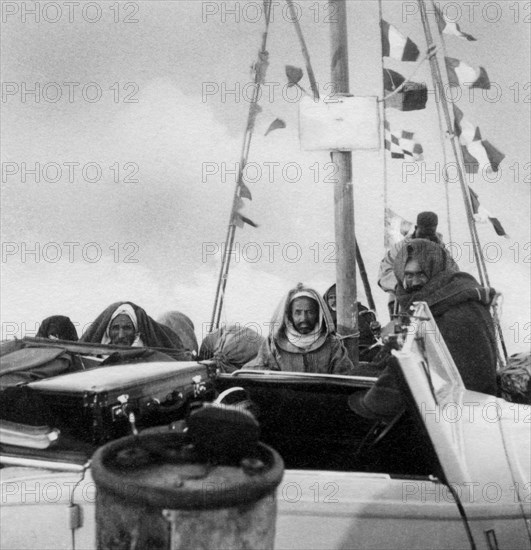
(515, 379)
(183, 326)
(231, 347)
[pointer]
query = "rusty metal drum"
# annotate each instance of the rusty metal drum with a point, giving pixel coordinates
(156, 491)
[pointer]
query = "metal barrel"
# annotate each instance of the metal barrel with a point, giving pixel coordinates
(155, 491)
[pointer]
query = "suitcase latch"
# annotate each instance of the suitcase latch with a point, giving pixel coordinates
(124, 410)
(199, 385)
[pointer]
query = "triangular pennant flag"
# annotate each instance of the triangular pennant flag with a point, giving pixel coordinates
(482, 215)
(498, 227)
(396, 45)
(461, 74)
(481, 154)
(474, 199)
(449, 27)
(275, 125)
(402, 145)
(464, 128)
(412, 97)
(476, 151)
(396, 228)
(245, 192)
(294, 75)
(238, 218)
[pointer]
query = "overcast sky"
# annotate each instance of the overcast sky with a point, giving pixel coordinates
(132, 109)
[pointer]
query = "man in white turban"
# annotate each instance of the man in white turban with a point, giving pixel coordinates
(122, 329)
(126, 324)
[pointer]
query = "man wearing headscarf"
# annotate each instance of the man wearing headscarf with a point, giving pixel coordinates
(126, 324)
(365, 318)
(57, 327)
(460, 307)
(302, 337)
(426, 228)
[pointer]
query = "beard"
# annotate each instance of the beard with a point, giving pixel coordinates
(413, 288)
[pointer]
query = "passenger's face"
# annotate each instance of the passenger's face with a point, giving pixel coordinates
(331, 300)
(414, 277)
(122, 331)
(304, 314)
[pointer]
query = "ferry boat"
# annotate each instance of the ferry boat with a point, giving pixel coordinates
(453, 470)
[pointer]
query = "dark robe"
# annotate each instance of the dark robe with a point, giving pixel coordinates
(58, 326)
(460, 307)
(153, 334)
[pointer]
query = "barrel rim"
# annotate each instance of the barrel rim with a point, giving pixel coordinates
(123, 485)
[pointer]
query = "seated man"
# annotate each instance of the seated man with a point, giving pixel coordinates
(126, 324)
(366, 323)
(302, 337)
(57, 327)
(460, 307)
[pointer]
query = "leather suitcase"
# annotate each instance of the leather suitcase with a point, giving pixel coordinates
(108, 402)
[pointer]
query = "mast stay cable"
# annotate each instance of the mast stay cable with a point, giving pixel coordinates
(458, 155)
(260, 69)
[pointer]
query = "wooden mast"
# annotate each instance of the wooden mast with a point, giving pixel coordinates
(347, 310)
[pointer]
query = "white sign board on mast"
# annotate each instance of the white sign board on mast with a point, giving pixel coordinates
(339, 123)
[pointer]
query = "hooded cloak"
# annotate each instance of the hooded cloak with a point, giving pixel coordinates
(426, 228)
(460, 307)
(150, 333)
(58, 326)
(321, 351)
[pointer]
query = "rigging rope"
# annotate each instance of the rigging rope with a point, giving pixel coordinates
(382, 116)
(260, 68)
(442, 141)
(458, 154)
(438, 81)
(305, 53)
